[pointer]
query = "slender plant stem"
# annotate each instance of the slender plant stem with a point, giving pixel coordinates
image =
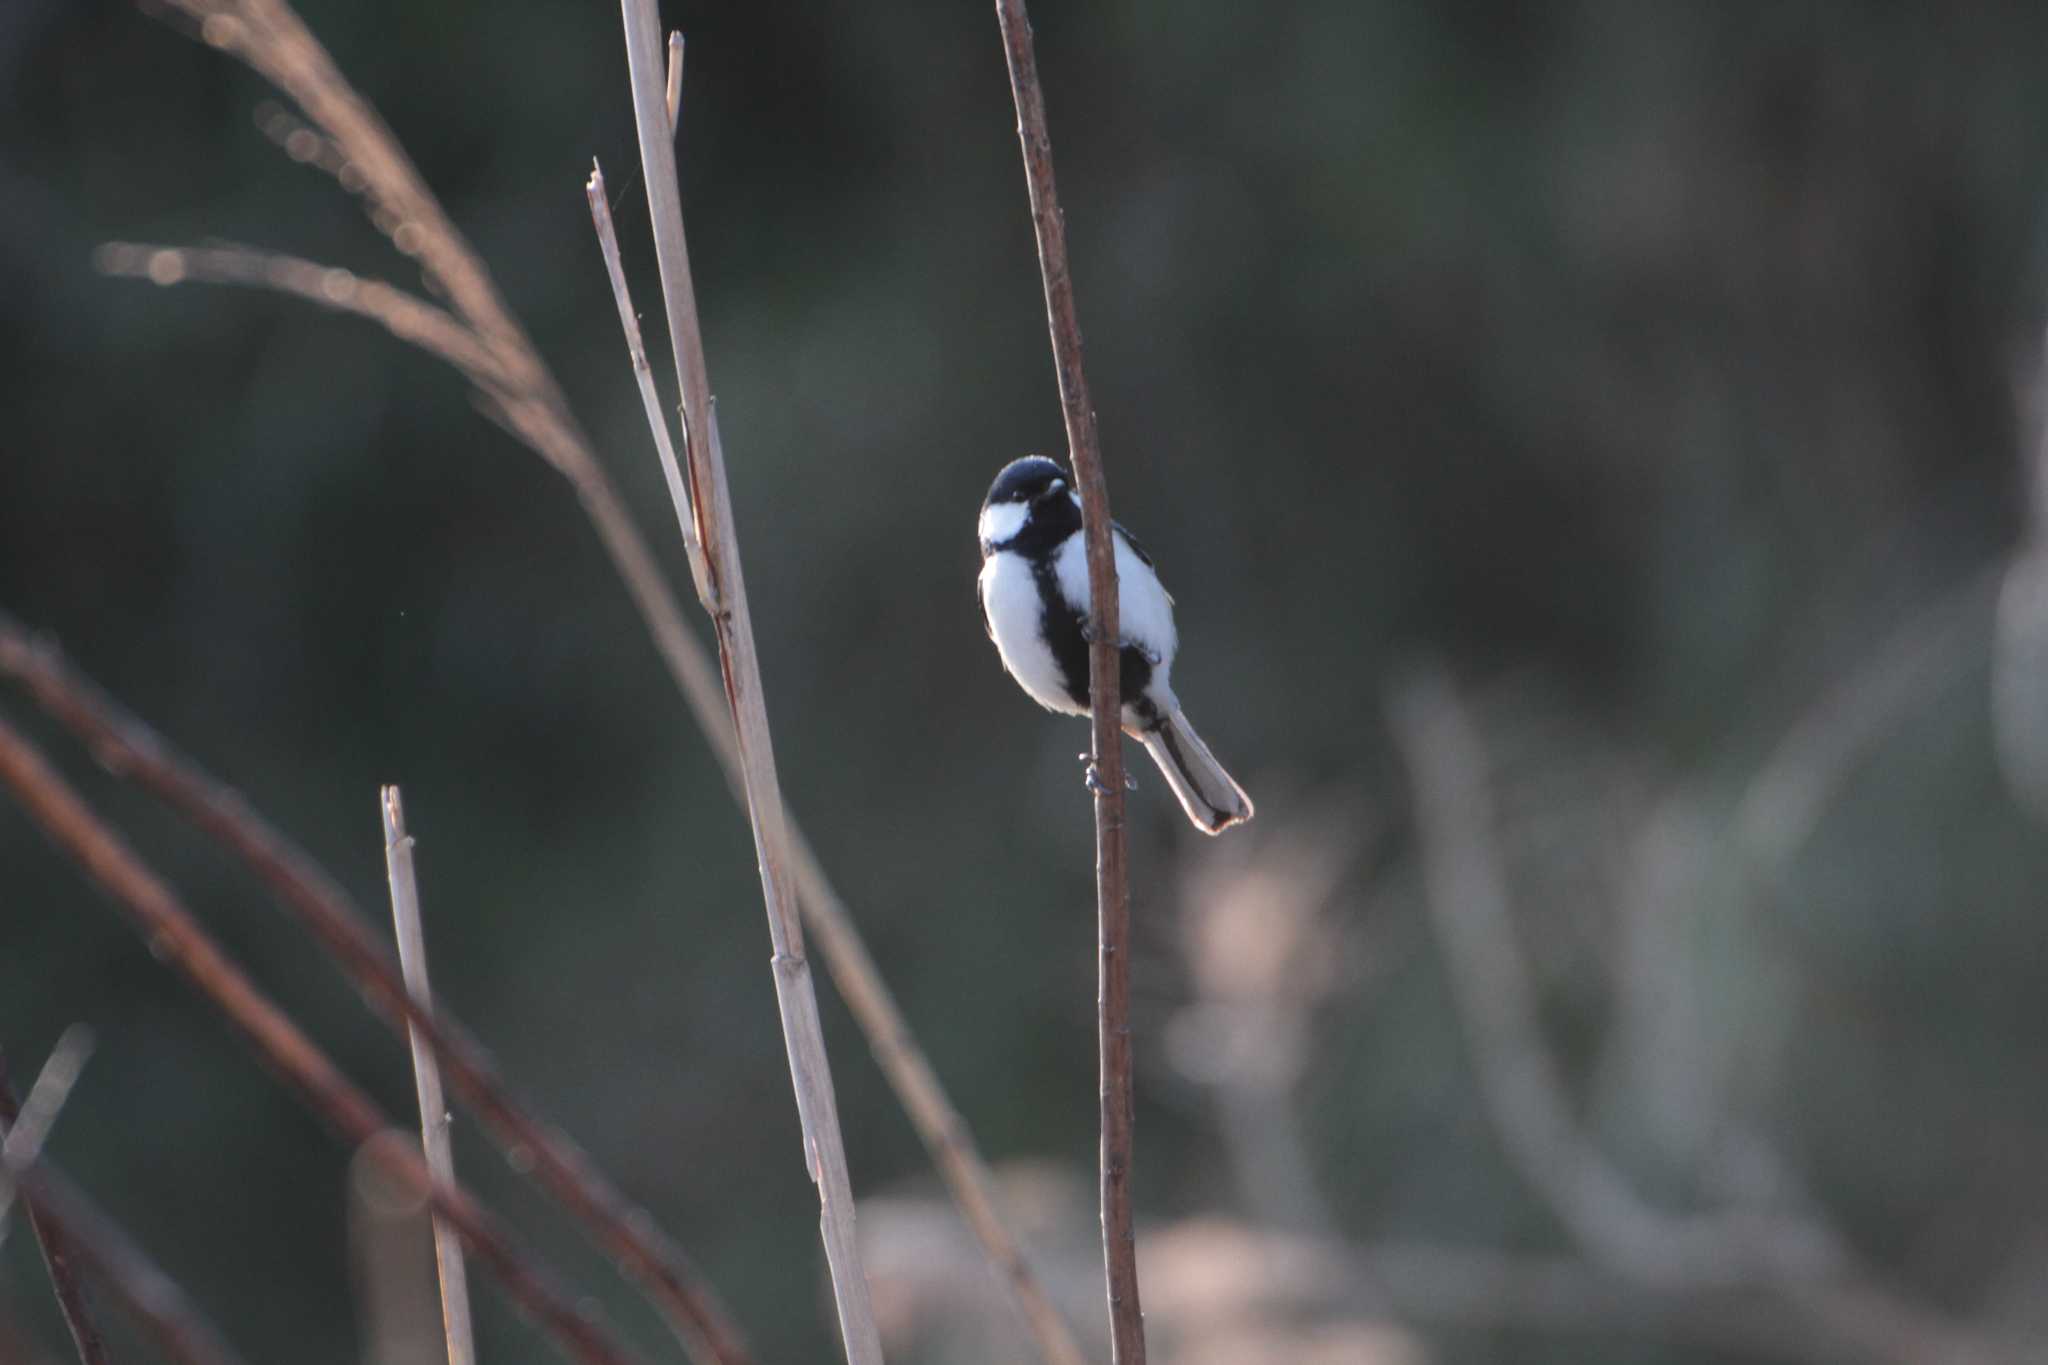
(176, 937)
(57, 1252)
(711, 507)
(129, 747)
(102, 1249)
(1112, 884)
(436, 1140)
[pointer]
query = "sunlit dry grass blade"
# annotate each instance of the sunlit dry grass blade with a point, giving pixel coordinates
(409, 318)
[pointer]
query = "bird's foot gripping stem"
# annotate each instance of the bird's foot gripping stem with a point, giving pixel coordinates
(1093, 778)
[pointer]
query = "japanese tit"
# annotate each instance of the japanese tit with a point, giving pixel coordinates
(1034, 603)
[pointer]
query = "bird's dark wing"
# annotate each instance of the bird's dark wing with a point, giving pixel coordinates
(1139, 551)
(1131, 541)
(982, 602)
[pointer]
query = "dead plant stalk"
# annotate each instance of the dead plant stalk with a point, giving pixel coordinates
(711, 513)
(436, 1141)
(1112, 884)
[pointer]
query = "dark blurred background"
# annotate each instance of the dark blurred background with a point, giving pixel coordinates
(1609, 422)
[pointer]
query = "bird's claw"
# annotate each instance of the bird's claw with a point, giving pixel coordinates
(1101, 788)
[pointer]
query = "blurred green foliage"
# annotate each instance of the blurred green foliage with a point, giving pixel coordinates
(1648, 361)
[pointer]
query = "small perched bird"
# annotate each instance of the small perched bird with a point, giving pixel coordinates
(1034, 602)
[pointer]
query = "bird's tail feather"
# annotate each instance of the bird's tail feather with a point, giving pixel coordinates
(1209, 795)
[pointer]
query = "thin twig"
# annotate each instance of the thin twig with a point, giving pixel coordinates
(643, 373)
(129, 747)
(176, 937)
(536, 416)
(435, 1138)
(1112, 885)
(711, 499)
(112, 1257)
(57, 1253)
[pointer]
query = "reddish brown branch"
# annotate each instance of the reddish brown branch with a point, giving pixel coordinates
(176, 937)
(57, 1252)
(131, 749)
(1112, 887)
(127, 1272)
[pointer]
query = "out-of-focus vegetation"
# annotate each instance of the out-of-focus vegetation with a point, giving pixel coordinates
(1665, 371)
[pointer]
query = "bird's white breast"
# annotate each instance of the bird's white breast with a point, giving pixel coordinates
(1009, 595)
(1144, 611)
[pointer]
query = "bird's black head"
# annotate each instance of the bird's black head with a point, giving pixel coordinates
(1030, 506)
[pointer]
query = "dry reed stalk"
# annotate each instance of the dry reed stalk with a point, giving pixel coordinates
(57, 1253)
(436, 1140)
(1112, 883)
(176, 937)
(711, 510)
(130, 748)
(473, 336)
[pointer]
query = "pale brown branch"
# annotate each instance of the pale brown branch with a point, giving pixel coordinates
(1112, 885)
(129, 747)
(57, 1253)
(711, 509)
(176, 937)
(436, 1140)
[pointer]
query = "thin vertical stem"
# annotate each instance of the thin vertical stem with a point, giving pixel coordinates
(711, 505)
(1112, 885)
(435, 1121)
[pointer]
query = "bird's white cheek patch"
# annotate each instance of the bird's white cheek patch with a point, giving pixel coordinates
(1002, 520)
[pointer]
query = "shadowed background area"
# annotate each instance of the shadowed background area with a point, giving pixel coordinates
(1587, 447)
